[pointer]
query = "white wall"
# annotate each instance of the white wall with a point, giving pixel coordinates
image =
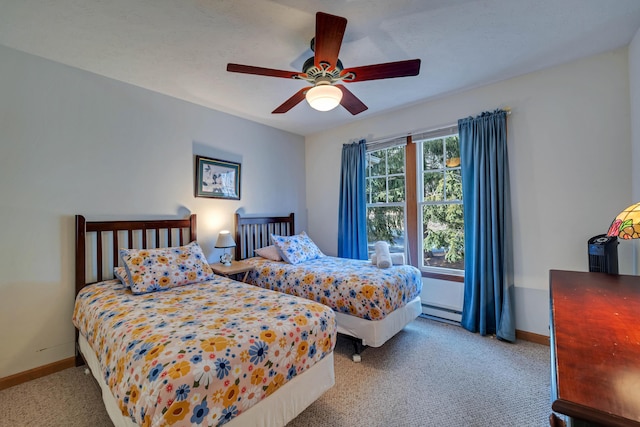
(74, 142)
(570, 161)
(634, 90)
(71, 143)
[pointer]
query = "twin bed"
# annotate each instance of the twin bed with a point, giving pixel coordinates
(370, 304)
(209, 350)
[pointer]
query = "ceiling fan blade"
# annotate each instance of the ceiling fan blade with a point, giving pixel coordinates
(351, 102)
(291, 102)
(250, 69)
(329, 32)
(387, 70)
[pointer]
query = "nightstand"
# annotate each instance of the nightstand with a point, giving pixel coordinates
(233, 270)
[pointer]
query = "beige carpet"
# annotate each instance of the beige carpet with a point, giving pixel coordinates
(430, 374)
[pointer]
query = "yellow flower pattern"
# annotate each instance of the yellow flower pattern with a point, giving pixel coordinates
(153, 270)
(200, 354)
(346, 285)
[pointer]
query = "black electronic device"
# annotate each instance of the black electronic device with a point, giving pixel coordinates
(603, 254)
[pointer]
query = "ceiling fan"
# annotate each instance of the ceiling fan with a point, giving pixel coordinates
(325, 71)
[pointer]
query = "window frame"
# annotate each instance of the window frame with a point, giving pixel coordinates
(420, 202)
(387, 175)
(412, 232)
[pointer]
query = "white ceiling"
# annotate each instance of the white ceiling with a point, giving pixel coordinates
(181, 47)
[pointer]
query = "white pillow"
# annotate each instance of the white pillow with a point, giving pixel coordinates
(397, 258)
(269, 252)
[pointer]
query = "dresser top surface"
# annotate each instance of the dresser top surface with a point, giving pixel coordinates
(596, 343)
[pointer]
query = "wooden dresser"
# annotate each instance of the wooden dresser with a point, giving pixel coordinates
(595, 348)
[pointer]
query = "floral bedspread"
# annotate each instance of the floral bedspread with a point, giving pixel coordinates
(349, 286)
(200, 354)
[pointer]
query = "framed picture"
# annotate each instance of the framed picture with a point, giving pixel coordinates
(218, 179)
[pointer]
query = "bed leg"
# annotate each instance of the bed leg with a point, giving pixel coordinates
(79, 358)
(356, 351)
(358, 347)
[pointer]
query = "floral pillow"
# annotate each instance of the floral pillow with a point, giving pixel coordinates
(152, 270)
(296, 249)
(121, 274)
(269, 252)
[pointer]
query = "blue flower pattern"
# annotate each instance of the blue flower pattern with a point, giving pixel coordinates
(349, 286)
(142, 350)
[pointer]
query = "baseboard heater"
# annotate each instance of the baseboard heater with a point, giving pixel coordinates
(444, 313)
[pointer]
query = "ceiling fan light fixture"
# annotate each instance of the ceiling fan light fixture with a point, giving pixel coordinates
(324, 97)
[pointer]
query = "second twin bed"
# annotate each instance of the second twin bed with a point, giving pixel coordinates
(371, 304)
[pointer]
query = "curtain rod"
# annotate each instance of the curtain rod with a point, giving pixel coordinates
(415, 132)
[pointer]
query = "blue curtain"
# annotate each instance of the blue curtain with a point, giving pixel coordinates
(488, 265)
(352, 215)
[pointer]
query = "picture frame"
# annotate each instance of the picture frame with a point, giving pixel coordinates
(217, 179)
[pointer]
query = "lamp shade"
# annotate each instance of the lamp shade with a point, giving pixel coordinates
(627, 224)
(324, 97)
(225, 240)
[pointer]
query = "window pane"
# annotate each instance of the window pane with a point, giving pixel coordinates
(433, 186)
(378, 163)
(386, 181)
(454, 184)
(443, 236)
(395, 160)
(396, 189)
(373, 158)
(453, 151)
(378, 190)
(386, 223)
(442, 241)
(433, 155)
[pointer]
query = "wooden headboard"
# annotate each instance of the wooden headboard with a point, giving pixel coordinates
(98, 242)
(252, 232)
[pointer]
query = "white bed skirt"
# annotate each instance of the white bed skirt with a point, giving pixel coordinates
(276, 410)
(374, 333)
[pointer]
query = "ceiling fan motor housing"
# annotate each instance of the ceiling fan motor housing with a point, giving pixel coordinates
(314, 72)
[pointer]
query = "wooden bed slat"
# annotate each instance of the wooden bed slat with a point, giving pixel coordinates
(99, 255)
(186, 232)
(116, 246)
(254, 232)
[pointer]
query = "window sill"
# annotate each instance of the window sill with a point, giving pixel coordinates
(441, 276)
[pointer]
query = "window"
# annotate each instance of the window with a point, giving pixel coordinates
(440, 204)
(414, 200)
(385, 184)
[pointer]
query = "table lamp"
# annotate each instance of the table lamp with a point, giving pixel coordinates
(225, 241)
(627, 224)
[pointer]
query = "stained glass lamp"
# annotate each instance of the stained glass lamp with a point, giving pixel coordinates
(627, 224)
